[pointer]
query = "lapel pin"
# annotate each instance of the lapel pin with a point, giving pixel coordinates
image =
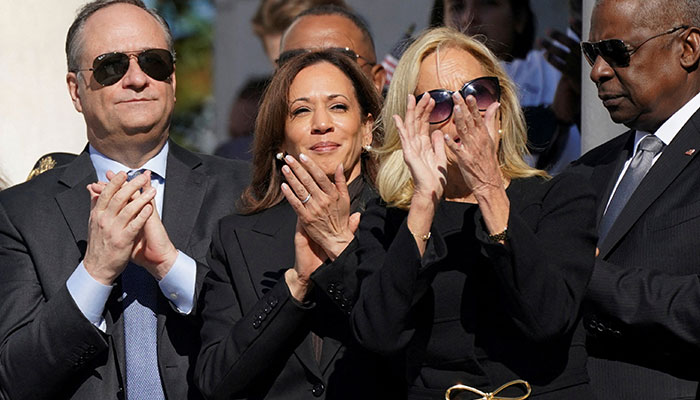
(690, 152)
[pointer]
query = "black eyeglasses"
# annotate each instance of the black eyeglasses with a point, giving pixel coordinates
(289, 54)
(615, 52)
(486, 90)
(109, 68)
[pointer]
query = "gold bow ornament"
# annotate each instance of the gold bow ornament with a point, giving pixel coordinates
(494, 394)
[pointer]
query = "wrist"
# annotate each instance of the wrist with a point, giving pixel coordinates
(161, 269)
(298, 287)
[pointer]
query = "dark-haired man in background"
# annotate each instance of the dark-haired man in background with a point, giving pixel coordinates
(98, 294)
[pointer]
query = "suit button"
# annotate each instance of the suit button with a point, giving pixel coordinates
(272, 302)
(318, 389)
(267, 309)
(256, 324)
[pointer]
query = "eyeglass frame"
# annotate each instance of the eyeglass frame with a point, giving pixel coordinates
(629, 49)
(130, 54)
(451, 92)
(344, 50)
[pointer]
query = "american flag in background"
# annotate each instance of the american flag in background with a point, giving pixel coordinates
(392, 58)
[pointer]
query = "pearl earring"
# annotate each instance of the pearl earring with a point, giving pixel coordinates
(367, 147)
(279, 155)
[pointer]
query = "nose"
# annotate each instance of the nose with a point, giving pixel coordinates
(321, 122)
(601, 70)
(134, 78)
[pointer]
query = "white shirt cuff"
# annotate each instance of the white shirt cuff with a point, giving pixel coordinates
(178, 284)
(89, 295)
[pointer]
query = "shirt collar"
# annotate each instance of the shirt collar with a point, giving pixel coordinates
(668, 130)
(102, 163)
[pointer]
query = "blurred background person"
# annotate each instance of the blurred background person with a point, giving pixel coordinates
(509, 29)
(272, 330)
(273, 17)
(475, 264)
(242, 121)
(334, 27)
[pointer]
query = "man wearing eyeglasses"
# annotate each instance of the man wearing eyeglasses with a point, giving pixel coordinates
(98, 294)
(643, 311)
(333, 27)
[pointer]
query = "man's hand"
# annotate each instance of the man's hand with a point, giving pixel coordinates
(118, 212)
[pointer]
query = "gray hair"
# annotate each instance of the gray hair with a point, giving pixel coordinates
(74, 40)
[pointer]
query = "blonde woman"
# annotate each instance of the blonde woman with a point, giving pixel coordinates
(474, 265)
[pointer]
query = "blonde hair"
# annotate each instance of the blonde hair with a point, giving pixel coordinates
(394, 180)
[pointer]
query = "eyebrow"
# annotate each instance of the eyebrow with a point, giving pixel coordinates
(330, 97)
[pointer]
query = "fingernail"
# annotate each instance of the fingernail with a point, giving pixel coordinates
(303, 157)
(458, 109)
(150, 191)
(289, 159)
(286, 170)
(284, 186)
(447, 137)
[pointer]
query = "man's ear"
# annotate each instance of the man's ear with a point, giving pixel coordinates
(691, 48)
(73, 90)
(378, 77)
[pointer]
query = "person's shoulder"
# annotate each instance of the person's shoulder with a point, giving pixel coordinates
(565, 185)
(604, 152)
(210, 165)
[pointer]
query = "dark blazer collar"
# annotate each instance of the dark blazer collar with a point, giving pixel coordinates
(74, 202)
(670, 164)
(185, 189)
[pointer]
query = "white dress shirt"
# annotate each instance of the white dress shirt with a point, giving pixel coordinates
(666, 132)
(177, 285)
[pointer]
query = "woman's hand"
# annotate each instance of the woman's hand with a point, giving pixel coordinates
(322, 207)
(475, 147)
(423, 152)
(476, 155)
(308, 256)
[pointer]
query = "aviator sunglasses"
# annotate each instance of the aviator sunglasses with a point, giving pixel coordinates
(109, 68)
(289, 54)
(486, 91)
(615, 52)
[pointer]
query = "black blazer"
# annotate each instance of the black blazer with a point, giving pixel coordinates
(48, 349)
(476, 312)
(256, 339)
(644, 296)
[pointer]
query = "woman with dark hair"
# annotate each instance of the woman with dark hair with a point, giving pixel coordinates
(275, 306)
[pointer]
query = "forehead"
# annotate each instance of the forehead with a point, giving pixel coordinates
(323, 78)
(448, 68)
(615, 20)
(121, 27)
(324, 31)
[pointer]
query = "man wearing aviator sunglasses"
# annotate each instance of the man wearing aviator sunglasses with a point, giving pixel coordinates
(642, 301)
(102, 258)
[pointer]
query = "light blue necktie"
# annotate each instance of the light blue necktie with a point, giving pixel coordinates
(641, 163)
(140, 330)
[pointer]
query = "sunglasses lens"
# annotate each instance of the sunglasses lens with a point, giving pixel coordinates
(443, 106)
(614, 52)
(157, 63)
(486, 91)
(108, 69)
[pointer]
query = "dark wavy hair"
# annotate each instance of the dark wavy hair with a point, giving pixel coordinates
(264, 190)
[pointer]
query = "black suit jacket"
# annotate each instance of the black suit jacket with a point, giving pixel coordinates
(48, 349)
(476, 312)
(644, 296)
(256, 339)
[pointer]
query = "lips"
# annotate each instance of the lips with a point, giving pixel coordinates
(322, 147)
(139, 100)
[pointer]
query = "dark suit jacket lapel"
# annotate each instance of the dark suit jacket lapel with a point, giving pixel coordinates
(75, 201)
(268, 247)
(185, 188)
(669, 165)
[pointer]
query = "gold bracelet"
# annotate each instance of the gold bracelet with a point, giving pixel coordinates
(499, 237)
(422, 237)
